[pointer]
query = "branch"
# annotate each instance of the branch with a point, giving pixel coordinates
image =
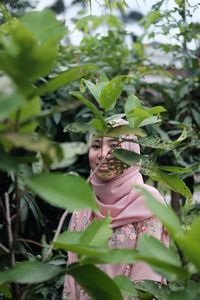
(58, 230)
(2, 247)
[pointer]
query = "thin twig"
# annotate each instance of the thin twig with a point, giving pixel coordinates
(2, 247)
(8, 221)
(30, 241)
(58, 230)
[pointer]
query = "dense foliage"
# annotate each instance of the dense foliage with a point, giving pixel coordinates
(52, 94)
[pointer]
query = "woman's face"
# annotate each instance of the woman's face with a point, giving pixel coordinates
(101, 148)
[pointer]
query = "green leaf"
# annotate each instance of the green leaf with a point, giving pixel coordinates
(125, 130)
(181, 138)
(97, 125)
(126, 286)
(129, 157)
(8, 162)
(30, 272)
(148, 244)
(173, 182)
(95, 282)
(68, 192)
(175, 169)
(97, 233)
(78, 127)
(71, 241)
(131, 103)
(113, 256)
(112, 91)
(65, 78)
(163, 260)
(92, 107)
(160, 291)
(92, 241)
(94, 89)
(5, 291)
(27, 43)
(44, 26)
(190, 243)
(31, 109)
(166, 215)
(156, 110)
(10, 104)
(150, 120)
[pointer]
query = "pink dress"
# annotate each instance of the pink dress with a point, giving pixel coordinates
(125, 236)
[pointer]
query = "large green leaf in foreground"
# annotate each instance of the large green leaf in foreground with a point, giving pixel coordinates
(95, 282)
(68, 192)
(30, 272)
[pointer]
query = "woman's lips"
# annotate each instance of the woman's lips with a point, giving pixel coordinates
(103, 167)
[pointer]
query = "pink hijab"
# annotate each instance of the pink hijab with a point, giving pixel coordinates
(128, 207)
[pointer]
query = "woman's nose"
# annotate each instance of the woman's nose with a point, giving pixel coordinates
(104, 152)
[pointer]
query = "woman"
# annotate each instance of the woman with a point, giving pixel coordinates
(115, 195)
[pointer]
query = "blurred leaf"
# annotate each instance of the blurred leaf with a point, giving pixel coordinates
(175, 169)
(34, 143)
(126, 286)
(5, 291)
(97, 233)
(70, 152)
(31, 109)
(30, 272)
(44, 26)
(65, 78)
(163, 260)
(10, 104)
(95, 282)
(27, 43)
(92, 241)
(148, 244)
(68, 192)
(165, 214)
(8, 162)
(189, 243)
(71, 241)
(113, 256)
(78, 127)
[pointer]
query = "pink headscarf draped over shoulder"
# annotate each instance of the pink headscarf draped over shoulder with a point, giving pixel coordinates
(128, 205)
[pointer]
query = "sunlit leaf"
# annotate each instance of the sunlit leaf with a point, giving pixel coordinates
(64, 78)
(112, 91)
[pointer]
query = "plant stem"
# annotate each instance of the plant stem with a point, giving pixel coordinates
(58, 230)
(15, 286)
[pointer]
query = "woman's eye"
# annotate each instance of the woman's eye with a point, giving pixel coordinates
(95, 146)
(112, 146)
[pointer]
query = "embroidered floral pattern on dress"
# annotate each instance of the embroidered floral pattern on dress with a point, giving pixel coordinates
(150, 226)
(122, 235)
